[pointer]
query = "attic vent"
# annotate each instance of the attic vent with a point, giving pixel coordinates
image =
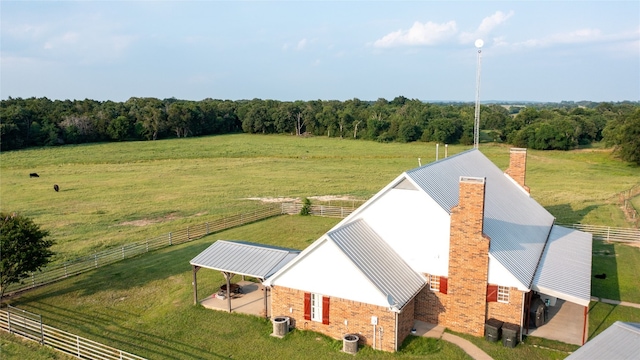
(405, 185)
(471, 179)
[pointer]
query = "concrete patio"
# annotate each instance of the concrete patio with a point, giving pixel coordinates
(250, 301)
(565, 323)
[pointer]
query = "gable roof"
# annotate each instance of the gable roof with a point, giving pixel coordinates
(244, 258)
(619, 341)
(386, 270)
(517, 225)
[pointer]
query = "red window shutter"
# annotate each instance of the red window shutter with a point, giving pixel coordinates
(325, 310)
(443, 284)
(307, 306)
(492, 293)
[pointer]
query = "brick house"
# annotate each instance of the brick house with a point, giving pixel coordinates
(454, 242)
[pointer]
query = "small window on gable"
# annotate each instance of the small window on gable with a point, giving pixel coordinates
(405, 185)
(434, 282)
(503, 294)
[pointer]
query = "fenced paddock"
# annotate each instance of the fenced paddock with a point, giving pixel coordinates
(83, 264)
(80, 265)
(29, 326)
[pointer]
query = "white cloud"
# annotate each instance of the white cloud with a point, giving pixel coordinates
(301, 44)
(428, 33)
(487, 25)
(67, 39)
(574, 37)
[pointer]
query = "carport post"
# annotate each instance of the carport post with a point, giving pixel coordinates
(195, 284)
(264, 290)
(228, 277)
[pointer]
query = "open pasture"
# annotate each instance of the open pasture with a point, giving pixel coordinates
(116, 193)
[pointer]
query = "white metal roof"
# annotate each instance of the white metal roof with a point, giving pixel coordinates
(244, 258)
(565, 266)
(517, 225)
(374, 257)
(619, 341)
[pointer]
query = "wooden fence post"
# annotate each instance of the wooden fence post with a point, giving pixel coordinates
(207, 227)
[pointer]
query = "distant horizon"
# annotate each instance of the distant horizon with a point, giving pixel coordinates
(503, 102)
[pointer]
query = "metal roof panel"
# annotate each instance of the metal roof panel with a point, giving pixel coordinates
(377, 260)
(517, 225)
(619, 341)
(244, 258)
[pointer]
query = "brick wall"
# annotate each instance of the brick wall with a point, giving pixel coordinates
(406, 320)
(507, 312)
(358, 316)
(518, 166)
(468, 260)
(430, 306)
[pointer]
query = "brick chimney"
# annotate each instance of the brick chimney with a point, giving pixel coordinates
(518, 166)
(468, 260)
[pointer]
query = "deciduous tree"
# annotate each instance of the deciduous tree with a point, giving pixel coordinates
(24, 248)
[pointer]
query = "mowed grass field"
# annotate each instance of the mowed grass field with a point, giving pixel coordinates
(116, 193)
(144, 305)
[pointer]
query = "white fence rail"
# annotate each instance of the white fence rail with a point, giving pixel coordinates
(80, 265)
(608, 233)
(83, 264)
(30, 326)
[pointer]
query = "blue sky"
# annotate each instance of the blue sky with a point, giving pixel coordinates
(306, 50)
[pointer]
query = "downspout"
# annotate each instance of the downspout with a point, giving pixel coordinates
(584, 327)
(522, 315)
(395, 345)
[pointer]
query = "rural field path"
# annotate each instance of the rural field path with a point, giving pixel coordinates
(436, 331)
(615, 302)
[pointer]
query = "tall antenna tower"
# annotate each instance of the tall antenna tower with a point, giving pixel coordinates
(476, 124)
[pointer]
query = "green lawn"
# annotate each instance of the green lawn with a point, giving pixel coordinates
(170, 184)
(13, 347)
(621, 263)
(531, 348)
(144, 305)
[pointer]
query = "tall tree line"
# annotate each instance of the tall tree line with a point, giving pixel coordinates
(43, 122)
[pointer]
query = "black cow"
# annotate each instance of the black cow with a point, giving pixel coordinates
(56, 187)
(34, 175)
(601, 276)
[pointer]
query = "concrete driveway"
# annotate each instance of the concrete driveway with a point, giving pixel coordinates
(566, 324)
(250, 301)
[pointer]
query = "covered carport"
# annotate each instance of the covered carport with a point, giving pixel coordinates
(563, 281)
(240, 258)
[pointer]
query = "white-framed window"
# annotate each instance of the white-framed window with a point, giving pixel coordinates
(503, 294)
(316, 307)
(434, 282)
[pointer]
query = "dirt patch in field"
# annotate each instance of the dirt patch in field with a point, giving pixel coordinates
(318, 198)
(145, 222)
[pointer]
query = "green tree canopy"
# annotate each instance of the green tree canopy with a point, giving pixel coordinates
(23, 249)
(624, 134)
